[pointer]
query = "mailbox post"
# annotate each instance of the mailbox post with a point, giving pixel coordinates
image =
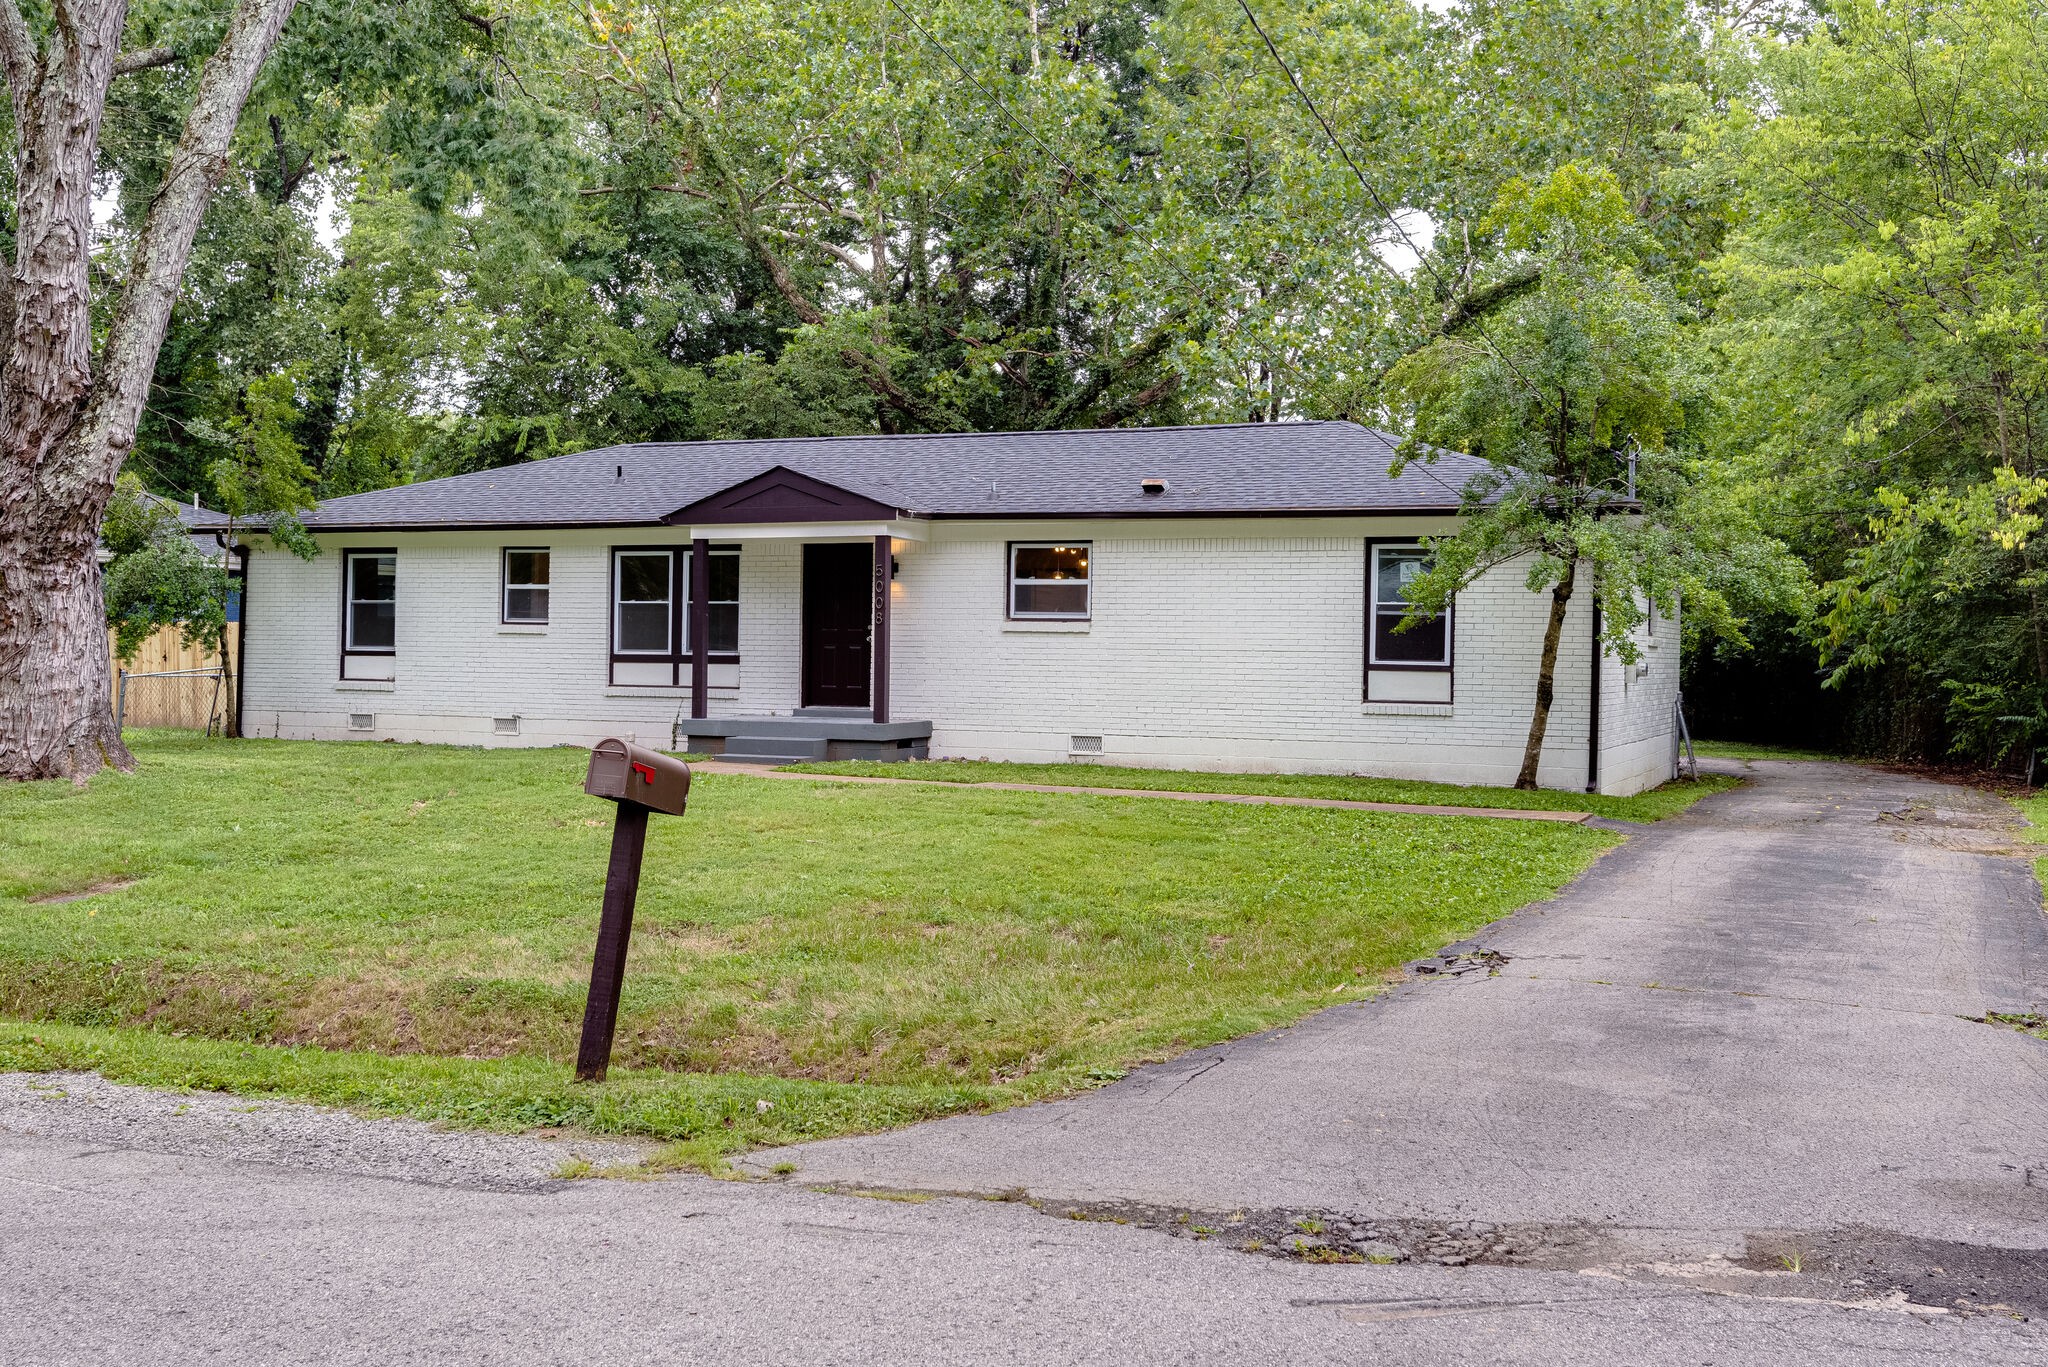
(638, 781)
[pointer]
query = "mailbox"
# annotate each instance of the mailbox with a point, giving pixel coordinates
(627, 773)
(640, 781)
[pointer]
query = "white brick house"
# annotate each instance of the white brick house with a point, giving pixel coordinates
(1214, 597)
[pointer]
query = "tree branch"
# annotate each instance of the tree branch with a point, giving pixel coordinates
(742, 219)
(144, 59)
(692, 191)
(1167, 386)
(18, 57)
(136, 333)
(875, 374)
(845, 258)
(1473, 303)
(1100, 380)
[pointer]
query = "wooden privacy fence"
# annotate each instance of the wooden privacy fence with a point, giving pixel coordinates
(168, 683)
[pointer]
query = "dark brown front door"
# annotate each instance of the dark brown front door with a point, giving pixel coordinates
(838, 599)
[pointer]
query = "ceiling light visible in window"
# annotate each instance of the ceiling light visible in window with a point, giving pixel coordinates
(1152, 485)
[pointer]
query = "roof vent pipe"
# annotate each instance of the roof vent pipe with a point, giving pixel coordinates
(1152, 485)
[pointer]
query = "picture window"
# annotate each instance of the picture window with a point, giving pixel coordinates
(1050, 580)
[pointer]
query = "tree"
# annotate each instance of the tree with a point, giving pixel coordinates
(157, 578)
(1882, 312)
(68, 413)
(1586, 399)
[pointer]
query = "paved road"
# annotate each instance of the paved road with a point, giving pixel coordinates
(1733, 1117)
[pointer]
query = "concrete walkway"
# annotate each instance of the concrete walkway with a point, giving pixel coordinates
(1750, 1017)
(1250, 799)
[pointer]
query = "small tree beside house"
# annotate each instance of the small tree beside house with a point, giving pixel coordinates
(1586, 397)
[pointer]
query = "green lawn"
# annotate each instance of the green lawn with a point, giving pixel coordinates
(1742, 749)
(408, 929)
(1668, 800)
(2035, 810)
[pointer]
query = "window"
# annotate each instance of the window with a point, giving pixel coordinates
(724, 636)
(370, 625)
(1048, 580)
(644, 598)
(651, 613)
(1426, 644)
(526, 587)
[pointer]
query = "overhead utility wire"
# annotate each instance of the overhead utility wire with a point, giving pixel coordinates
(1374, 195)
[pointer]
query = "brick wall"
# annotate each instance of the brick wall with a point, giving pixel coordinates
(1217, 645)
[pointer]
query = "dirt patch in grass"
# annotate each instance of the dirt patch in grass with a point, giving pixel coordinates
(172, 998)
(79, 894)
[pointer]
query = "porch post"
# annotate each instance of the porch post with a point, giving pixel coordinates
(700, 627)
(883, 551)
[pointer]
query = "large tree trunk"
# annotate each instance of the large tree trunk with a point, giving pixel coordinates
(1546, 677)
(64, 431)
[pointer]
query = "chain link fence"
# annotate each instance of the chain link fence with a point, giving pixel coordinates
(188, 699)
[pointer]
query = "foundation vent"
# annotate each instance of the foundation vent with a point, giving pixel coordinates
(504, 726)
(362, 721)
(1084, 745)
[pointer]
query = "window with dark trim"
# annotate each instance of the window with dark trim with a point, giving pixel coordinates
(1426, 644)
(645, 602)
(524, 600)
(650, 612)
(370, 602)
(1050, 580)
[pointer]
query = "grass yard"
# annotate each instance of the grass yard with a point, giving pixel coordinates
(408, 929)
(1668, 800)
(1742, 749)
(2035, 810)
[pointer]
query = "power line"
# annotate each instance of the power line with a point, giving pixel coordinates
(1374, 195)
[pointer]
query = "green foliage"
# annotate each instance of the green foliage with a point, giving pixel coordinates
(157, 577)
(1575, 391)
(1882, 319)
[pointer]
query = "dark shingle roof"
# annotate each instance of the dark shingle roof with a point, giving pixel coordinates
(1249, 468)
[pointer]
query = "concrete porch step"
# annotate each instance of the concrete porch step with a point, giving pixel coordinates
(773, 749)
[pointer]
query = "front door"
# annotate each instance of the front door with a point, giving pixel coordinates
(838, 600)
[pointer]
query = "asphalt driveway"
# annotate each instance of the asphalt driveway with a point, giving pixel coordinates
(1748, 1018)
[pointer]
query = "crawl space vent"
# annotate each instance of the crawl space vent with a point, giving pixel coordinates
(362, 721)
(1084, 745)
(505, 726)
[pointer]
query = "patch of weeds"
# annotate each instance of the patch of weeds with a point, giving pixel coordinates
(2026, 1022)
(1309, 1226)
(1329, 1255)
(908, 1198)
(572, 1169)
(784, 1168)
